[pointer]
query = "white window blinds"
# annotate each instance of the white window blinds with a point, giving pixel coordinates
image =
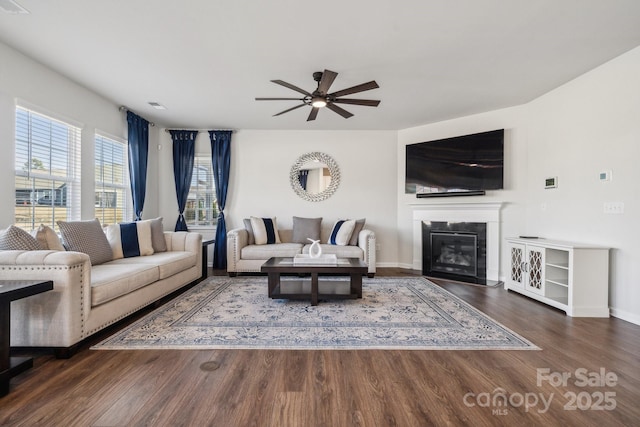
(47, 170)
(113, 196)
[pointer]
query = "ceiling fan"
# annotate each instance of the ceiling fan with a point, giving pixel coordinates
(320, 97)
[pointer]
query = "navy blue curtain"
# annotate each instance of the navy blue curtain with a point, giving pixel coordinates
(138, 130)
(302, 177)
(221, 160)
(184, 149)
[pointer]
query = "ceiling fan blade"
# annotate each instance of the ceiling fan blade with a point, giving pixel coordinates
(328, 77)
(313, 114)
(359, 88)
(292, 87)
(290, 109)
(344, 113)
(365, 102)
(279, 99)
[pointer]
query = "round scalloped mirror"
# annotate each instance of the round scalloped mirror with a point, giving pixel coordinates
(315, 176)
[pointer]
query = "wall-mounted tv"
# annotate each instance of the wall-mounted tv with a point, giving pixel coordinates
(464, 165)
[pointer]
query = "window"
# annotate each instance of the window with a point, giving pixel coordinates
(202, 207)
(113, 198)
(47, 170)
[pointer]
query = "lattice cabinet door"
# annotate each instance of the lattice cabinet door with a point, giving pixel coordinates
(535, 270)
(517, 265)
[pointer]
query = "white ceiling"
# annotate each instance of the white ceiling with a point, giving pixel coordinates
(206, 60)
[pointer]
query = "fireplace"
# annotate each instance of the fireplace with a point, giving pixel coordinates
(455, 250)
(479, 212)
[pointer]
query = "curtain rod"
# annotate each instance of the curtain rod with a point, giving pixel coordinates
(123, 108)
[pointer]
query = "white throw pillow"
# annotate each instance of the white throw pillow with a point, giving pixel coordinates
(341, 232)
(265, 230)
(48, 239)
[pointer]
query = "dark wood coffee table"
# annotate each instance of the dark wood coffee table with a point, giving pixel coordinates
(275, 267)
(11, 290)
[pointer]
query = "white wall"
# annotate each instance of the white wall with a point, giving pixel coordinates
(589, 125)
(586, 126)
(28, 82)
(259, 180)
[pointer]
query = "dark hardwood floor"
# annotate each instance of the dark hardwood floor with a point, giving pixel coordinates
(351, 388)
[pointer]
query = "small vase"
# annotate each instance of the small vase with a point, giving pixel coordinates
(315, 250)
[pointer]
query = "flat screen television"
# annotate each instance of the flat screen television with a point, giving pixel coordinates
(468, 164)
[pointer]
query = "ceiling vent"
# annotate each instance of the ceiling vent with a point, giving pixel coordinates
(12, 8)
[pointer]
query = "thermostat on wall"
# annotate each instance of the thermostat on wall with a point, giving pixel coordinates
(551, 182)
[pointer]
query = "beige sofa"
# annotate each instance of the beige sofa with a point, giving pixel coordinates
(86, 298)
(245, 258)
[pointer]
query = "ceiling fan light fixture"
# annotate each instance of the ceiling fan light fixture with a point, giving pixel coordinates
(322, 97)
(318, 102)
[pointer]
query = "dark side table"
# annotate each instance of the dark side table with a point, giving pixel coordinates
(11, 290)
(205, 257)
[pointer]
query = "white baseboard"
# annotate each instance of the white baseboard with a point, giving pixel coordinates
(394, 265)
(626, 316)
(408, 266)
(386, 264)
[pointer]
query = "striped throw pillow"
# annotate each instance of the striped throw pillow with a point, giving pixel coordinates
(341, 232)
(265, 230)
(130, 239)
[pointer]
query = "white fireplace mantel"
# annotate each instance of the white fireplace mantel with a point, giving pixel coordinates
(488, 213)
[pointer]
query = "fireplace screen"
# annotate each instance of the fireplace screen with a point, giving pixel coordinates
(454, 253)
(455, 250)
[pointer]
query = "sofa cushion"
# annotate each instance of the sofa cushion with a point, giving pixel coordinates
(86, 237)
(14, 238)
(48, 239)
(306, 228)
(130, 239)
(341, 232)
(111, 280)
(267, 251)
(265, 230)
(340, 251)
(356, 231)
(168, 263)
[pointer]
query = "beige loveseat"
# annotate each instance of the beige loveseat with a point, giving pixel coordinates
(86, 298)
(243, 257)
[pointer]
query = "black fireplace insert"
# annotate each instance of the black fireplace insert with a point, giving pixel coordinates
(456, 251)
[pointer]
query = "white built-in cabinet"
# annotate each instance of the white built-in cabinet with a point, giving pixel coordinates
(570, 276)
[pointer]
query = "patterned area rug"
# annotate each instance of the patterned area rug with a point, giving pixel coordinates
(394, 313)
